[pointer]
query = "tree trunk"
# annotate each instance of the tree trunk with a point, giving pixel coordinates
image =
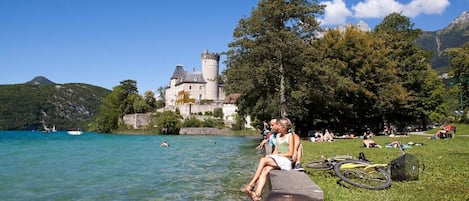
(283, 104)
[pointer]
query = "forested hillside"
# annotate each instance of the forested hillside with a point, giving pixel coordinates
(31, 105)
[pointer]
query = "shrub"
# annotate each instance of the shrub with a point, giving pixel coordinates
(218, 113)
(191, 122)
(213, 123)
(167, 122)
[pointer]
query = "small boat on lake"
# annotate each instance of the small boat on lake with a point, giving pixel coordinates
(77, 132)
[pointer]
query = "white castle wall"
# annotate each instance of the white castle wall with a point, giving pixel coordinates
(188, 109)
(170, 93)
(196, 91)
(229, 112)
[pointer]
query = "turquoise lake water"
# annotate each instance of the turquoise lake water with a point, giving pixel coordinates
(58, 166)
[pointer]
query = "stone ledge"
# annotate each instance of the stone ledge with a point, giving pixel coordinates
(203, 131)
(293, 185)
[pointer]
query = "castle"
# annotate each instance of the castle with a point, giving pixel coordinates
(196, 92)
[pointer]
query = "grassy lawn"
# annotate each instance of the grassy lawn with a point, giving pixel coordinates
(446, 174)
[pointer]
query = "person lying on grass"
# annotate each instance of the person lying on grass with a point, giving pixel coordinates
(369, 143)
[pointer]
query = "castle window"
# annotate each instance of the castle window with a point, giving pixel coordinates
(190, 87)
(200, 96)
(200, 87)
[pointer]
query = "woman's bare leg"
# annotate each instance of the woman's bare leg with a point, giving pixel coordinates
(262, 179)
(264, 162)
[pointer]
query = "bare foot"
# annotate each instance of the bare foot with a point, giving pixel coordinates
(253, 195)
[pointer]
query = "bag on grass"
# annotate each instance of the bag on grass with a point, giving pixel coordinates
(405, 168)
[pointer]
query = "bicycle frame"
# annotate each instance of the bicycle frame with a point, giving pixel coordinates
(364, 166)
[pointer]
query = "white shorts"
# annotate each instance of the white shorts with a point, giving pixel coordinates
(282, 162)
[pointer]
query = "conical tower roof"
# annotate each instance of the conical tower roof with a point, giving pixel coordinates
(178, 72)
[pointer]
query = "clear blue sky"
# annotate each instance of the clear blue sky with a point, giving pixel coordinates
(102, 42)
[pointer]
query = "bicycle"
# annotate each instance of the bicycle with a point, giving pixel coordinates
(328, 163)
(366, 175)
(363, 174)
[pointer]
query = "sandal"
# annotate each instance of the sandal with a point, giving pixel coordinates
(247, 188)
(253, 195)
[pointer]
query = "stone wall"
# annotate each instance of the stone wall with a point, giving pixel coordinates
(203, 131)
(137, 120)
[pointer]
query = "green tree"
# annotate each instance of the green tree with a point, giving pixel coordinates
(353, 79)
(459, 61)
(150, 100)
(267, 54)
(424, 92)
(109, 114)
(127, 94)
(115, 105)
(140, 104)
(161, 98)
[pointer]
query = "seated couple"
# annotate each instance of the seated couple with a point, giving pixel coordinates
(281, 158)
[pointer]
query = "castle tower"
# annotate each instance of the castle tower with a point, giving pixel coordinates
(210, 73)
(170, 91)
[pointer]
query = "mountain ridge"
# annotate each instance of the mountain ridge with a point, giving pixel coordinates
(459, 23)
(40, 80)
(453, 35)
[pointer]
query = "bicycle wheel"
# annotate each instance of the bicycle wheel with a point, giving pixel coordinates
(319, 165)
(354, 173)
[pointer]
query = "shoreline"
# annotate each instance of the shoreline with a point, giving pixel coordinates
(226, 132)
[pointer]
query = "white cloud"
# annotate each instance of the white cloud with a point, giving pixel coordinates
(381, 8)
(335, 12)
(417, 7)
(376, 8)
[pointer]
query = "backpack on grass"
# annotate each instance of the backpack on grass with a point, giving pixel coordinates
(405, 168)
